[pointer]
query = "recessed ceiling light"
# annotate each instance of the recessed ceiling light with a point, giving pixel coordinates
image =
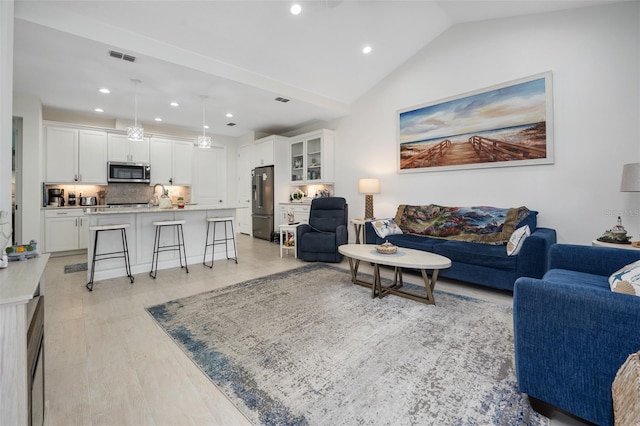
(98, 110)
(229, 115)
(366, 50)
(104, 90)
(158, 119)
(296, 9)
(174, 104)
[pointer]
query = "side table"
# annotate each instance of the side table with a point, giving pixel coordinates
(614, 245)
(285, 231)
(358, 225)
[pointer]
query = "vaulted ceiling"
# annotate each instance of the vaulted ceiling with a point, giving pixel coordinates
(240, 54)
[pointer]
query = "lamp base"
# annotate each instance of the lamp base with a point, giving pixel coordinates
(368, 206)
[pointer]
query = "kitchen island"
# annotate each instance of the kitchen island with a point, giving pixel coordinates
(141, 233)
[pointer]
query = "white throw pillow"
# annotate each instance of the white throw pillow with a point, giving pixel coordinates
(626, 280)
(517, 239)
(386, 227)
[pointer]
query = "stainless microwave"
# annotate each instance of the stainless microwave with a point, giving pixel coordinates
(128, 172)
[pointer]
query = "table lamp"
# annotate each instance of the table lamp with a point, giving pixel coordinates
(630, 178)
(368, 186)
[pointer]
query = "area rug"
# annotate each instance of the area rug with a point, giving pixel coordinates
(308, 347)
(76, 267)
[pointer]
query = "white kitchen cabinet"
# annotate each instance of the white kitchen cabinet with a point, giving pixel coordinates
(92, 157)
(123, 150)
(300, 212)
(75, 155)
(263, 150)
(210, 176)
(65, 229)
(311, 158)
(171, 161)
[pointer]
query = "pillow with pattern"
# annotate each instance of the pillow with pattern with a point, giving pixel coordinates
(386, 227)
(517, 239)
(626, 280)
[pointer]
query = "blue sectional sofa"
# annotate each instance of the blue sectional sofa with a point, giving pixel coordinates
(480, 263)
(572, 333)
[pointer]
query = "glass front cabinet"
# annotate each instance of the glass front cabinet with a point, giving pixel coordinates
(311, 158)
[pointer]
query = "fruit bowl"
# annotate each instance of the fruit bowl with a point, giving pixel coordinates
(21, 252)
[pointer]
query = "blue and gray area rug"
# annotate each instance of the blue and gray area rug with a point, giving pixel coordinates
(307, 346)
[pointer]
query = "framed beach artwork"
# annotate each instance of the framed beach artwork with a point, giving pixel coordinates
(510, 124)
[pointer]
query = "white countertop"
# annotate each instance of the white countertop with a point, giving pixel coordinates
(155, 209)
(20, 279)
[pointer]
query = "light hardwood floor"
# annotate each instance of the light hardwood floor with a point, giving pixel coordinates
(108, 363)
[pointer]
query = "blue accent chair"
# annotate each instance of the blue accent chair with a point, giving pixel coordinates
(327, 229)
(572, 333)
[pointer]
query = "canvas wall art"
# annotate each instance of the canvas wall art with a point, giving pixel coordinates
(510, 124)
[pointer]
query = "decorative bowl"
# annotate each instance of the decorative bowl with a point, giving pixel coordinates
(386, 248)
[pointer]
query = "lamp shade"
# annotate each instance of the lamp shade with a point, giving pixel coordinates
(630, 178)
(369, 186)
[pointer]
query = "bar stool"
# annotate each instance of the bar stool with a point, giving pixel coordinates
(157, 248)
(124, 253)
(225, 240)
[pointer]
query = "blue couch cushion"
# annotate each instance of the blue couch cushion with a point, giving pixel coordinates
(494, 256)
(582, 279)
(413, 241)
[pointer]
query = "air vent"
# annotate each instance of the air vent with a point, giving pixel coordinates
(283, 100)
(120, 55)
(231, 124)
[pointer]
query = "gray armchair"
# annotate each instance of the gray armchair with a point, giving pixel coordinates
(327, 229)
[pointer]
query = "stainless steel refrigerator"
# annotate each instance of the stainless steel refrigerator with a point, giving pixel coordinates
(262, 202)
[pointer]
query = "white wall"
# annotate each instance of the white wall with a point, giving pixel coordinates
(593, 54)
(6, 89)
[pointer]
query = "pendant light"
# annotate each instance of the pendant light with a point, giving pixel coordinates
(135, 133)
(204, 141)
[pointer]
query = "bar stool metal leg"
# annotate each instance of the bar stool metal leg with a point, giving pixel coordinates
(225, 240)
(124, 253)
(158, 248)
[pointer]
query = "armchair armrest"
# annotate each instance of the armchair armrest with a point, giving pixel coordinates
(570, 340)
(300, 231)
(533, 259)
(592, 260)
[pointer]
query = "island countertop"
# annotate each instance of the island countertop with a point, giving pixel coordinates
(156, 209)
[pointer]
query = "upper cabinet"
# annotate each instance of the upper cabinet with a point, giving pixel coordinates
(171, 161)
(75, 155)
(123, 150)
(263, 150)
(311, 158)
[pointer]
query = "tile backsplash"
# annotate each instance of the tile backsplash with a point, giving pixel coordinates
(118, 193)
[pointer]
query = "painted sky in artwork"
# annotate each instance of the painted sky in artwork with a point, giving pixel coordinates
(515, 105)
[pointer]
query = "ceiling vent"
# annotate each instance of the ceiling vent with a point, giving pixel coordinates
(123, 56)
(231, 124)
(283, 100)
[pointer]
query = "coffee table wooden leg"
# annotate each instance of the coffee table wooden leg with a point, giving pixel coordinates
(429, 284)
(376, 289)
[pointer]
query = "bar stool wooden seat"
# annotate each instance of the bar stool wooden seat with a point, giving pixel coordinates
(124, 253)
(215, 241)
(157, 248)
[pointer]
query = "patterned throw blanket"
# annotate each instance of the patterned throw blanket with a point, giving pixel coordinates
(489, 225)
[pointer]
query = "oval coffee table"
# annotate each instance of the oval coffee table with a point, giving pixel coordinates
(403, 258)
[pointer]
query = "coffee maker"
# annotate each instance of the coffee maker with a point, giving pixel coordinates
(56, 197)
